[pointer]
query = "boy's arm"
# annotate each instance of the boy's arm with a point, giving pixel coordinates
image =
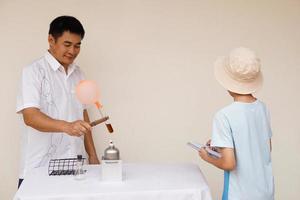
(89, 143)
(226, 162)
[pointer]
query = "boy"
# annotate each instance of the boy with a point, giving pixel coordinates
(241, 131)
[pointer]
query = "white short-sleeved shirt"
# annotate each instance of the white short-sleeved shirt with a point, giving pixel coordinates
(45, 85)
(246, 128)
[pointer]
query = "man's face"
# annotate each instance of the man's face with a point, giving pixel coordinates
(65, 48)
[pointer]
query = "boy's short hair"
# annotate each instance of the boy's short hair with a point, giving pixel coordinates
(65, 23)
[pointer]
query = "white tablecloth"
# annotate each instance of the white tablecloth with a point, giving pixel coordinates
(141, 182)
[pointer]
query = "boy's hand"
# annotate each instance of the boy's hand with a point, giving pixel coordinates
(203, 154)
(208, 143)
(212, 148)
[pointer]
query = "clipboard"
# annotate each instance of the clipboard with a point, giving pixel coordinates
(198, 146)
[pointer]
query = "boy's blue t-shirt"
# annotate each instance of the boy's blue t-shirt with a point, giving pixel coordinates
(246, 128)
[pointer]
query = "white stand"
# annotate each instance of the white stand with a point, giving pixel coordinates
(111, 170)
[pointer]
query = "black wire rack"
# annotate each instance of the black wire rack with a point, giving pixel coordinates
(66, 166)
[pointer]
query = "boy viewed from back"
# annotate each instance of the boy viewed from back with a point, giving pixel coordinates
(241, 131)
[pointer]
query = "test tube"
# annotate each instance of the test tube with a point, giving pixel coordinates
(107, 124)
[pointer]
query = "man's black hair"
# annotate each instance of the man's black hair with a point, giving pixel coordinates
(66, 23)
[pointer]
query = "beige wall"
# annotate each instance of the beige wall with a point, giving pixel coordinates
(153, 61)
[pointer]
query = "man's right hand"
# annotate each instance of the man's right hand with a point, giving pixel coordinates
(36, 119)
(77, 128)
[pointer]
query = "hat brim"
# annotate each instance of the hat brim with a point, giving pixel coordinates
(233, 85)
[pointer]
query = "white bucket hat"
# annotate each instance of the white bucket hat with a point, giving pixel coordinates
(239, 72)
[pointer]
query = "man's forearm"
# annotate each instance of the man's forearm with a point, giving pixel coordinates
(34, 118)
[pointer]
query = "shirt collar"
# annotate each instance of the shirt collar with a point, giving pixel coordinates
(55, 65)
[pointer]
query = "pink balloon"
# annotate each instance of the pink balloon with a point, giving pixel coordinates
(87, 92)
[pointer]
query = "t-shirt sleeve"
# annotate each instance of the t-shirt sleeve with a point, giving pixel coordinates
(29, 89)
(221, 132)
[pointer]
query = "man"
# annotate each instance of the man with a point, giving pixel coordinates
(56, 125)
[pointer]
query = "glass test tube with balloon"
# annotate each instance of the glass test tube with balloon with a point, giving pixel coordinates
(88, 93)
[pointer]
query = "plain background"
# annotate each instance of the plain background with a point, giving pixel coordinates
(153, 61)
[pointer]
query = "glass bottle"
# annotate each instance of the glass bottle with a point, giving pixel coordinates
(79, 172)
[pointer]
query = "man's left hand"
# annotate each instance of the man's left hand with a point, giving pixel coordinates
(93, 160)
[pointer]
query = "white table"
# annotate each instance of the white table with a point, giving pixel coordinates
(141, 182)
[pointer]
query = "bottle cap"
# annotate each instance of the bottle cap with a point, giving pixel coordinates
(79, 157)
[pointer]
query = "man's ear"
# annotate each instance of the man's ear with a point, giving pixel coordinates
(51, 40)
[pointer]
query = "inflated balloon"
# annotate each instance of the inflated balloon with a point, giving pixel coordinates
(88, 92)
